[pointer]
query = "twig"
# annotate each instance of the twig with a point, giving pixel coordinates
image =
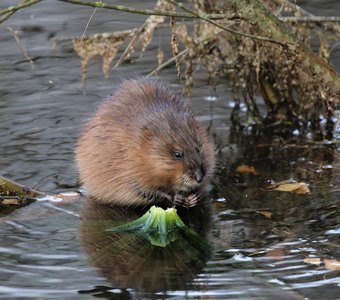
(311, 63)
(310, 19)
(148, 12)
(281, 8)
(168, 62)
(88, 23)
(174, 46)
(7, 12)
(127, 49)
(24, 51)
(294, 8)
(203, 17)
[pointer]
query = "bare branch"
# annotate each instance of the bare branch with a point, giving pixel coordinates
(23, 50)
(300, 12)
(310, 19)
(167, 63)
(7, 12)
(312, 64)
(88, 23)
(203, 17)
(148, 12)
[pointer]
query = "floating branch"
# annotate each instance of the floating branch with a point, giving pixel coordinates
(12, 193)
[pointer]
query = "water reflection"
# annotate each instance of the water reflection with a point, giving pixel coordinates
(281, 233)
(130, 261)
(245, 194)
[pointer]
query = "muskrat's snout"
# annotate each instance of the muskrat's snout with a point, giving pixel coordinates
(199, 175)
(193, 179)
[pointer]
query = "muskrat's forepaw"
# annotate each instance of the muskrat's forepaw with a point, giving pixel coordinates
(192, 200)
(189, 201)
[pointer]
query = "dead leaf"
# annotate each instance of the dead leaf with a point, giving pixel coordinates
(276, 254)
(246, 169)
(312, 261)
(266, 214)
(145, 34)
(324, 48)
(290, 186)
(332, 264)
(160, 56)
(105, 45)
(184, 36)
(303, 189)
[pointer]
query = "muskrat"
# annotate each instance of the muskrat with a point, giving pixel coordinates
(143, 146)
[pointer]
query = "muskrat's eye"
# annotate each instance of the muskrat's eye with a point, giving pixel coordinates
(178, 154)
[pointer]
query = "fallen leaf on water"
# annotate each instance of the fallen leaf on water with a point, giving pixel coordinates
(332, 264)
(276, 254)
(266, 214)
(290, 186)
(246, 169)
(303, 189)
(312, 261)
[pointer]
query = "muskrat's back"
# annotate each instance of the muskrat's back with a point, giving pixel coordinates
(144, 145)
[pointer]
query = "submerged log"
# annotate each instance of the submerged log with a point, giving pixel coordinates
(14, 194)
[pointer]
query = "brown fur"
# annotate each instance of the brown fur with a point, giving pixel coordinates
(126, 150)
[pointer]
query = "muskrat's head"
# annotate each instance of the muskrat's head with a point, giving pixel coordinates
(174, 154)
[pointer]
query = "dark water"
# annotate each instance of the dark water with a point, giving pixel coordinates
(60, 250)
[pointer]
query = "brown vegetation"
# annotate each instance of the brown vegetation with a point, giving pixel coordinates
(259, 47)
(257, 54)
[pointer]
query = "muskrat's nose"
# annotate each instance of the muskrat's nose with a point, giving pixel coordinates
(199, 175)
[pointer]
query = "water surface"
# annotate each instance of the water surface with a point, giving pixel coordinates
(61, 251)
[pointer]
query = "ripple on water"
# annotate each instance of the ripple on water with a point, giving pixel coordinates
(42, 112)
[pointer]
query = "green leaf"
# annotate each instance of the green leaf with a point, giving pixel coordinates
(159, 226)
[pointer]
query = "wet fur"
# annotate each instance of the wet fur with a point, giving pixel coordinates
(125, 155)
